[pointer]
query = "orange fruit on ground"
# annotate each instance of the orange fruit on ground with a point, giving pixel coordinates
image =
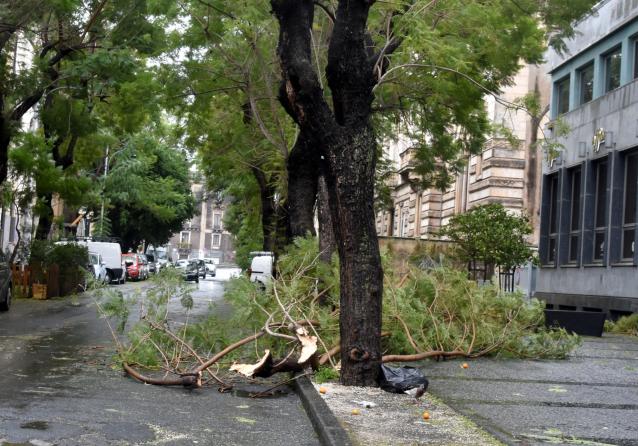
(465, 365)
(355, 412)
(426, 415)
(322, 390)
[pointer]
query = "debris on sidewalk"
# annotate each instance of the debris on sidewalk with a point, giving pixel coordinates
(394, 419)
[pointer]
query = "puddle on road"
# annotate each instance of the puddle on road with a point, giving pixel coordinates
(37, 425)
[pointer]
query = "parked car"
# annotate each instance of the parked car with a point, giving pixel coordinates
(153, 267)
(201, 268)
(135, 268)
(147, 266)
(122, 278)
(111, 256)
(5, 283)
(261, 265)
(190, 270)
(97, 267)
(211, 266)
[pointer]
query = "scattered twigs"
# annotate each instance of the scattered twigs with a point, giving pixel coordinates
(281, 305)
(185, 345)
(267, 328)
(408, 334)
(322, 343)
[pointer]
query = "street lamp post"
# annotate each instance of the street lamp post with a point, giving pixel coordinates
(106, 172)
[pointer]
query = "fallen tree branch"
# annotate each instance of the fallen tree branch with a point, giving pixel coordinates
(186, 379)
(424, 355)
(337, 348)
(227, 350)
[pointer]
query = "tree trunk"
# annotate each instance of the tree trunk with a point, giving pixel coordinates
(351, 197)
(302, 166)
(269, 213)
(327, 242)
(46, 217)
(349, 156)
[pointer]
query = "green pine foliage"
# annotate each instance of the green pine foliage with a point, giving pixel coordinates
(624, 325)
(444, 311)
(434, 310)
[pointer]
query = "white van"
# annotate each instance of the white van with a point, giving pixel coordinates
(261, 265)
(111, 256)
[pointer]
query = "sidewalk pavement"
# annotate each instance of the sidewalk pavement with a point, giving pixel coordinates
(397, 421)
(590, 399)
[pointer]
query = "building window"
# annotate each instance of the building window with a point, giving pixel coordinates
(629, 208)
(574, 215)
(216, 240)
(553, 219)
(611, 62)
(586, 83)
(636, 59)
(404, 222)
(600, 209)
(217, 221)
(479, 167)
(209, 214)
(185, 237)
(562, 95)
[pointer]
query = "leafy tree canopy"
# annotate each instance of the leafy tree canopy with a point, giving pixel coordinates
(148, 191)
(490, 234)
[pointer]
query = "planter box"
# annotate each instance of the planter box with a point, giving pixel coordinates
(39, 291)
(586, 323)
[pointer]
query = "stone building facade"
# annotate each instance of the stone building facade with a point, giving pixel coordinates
(204, 235)
(501, 173)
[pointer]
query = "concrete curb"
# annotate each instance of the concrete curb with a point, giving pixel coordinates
(328, 428)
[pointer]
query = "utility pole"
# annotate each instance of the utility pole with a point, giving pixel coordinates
(106, 172)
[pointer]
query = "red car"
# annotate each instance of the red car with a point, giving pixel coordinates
(134, 267)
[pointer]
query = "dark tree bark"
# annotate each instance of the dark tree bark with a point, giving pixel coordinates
(269, 213)
(348, 147)
(63, 161)
(327, 242)
(302, 166)
(45, 219)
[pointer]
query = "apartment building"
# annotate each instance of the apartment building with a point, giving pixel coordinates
(204, 235)
(504, 173)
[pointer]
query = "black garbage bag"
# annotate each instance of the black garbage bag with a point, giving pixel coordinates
(400, 379)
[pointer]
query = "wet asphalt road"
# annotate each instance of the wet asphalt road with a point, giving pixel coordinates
(58, 387)
(590, 399)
